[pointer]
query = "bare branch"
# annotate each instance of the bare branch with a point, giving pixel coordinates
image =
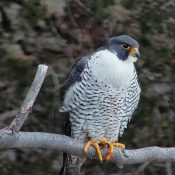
(81, 5)
(29, 99)
(142, 167)
(168, 167)
(33, 140)
(37, 140)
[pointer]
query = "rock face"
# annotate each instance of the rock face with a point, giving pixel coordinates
(55, 6)
(47, 31)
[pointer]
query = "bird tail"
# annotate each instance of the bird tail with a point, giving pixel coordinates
(71, 165)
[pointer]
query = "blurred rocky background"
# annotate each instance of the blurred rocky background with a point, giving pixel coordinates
(56, 32)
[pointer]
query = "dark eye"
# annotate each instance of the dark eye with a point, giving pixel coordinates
(126, 46)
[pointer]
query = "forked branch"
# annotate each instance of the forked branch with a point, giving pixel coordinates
(11, 137)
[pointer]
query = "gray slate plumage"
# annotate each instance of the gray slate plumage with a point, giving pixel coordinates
(102, 96)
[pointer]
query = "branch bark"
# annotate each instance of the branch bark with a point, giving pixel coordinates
(37, 140)
(27, 105)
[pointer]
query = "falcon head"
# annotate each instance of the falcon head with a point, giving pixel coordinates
(125, 47)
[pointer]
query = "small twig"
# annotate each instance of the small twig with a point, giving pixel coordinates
(56, 83)
(29, 100)
(74, 23)
(168, 168)
(81, 5)
(55, 32)
(141, 168)
(56, 90)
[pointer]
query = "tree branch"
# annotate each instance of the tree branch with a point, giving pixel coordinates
(27, 105)
(37, 140)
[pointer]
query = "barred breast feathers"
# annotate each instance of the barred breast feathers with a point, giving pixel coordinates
(131, 102)
(103, 67)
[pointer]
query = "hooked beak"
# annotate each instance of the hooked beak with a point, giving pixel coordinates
(134, 52)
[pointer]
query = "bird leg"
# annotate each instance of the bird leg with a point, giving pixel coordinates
(95, 144)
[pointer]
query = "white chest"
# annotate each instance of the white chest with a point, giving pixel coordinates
(107, 68)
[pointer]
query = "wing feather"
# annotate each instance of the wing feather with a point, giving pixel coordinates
(77, 69)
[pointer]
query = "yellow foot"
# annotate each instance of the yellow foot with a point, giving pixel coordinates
(105, 143)
(111, 149)
(91, 142)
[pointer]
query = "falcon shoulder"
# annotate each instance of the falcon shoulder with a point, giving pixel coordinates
(77, 69)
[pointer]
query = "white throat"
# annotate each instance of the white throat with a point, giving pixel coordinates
(106, 67)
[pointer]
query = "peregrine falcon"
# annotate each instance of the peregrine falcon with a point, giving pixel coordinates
(102, 96)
